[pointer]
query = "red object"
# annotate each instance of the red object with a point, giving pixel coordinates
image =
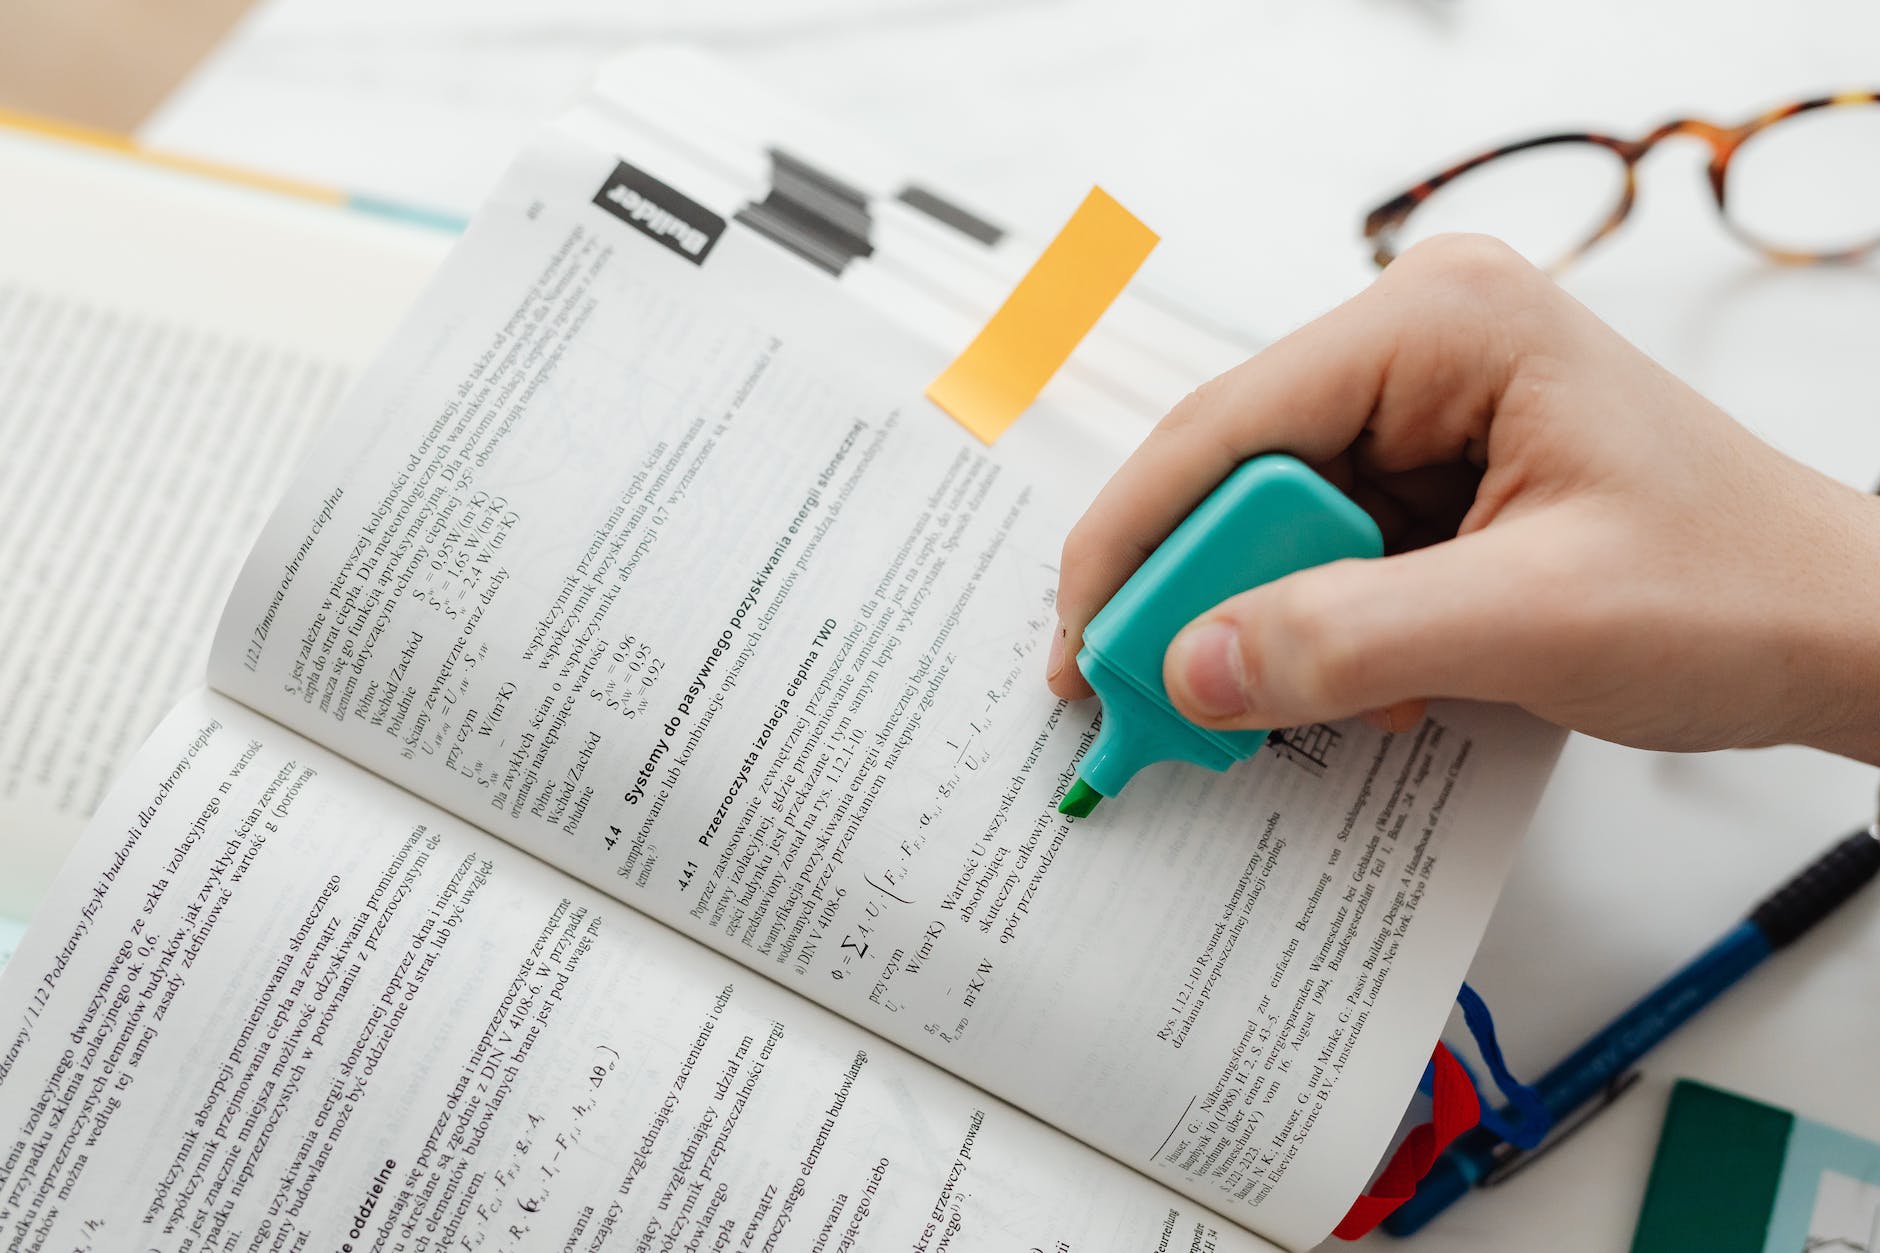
(1454, 1110)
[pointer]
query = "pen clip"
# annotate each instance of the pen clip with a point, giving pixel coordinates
(1510, 1161)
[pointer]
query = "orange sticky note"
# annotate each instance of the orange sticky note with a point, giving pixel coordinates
(1048, 313)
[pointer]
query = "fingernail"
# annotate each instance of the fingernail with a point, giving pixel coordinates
(1395, 719)
(1055, 662)
(1208, 659)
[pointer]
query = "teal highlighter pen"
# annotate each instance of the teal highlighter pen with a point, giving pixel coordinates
(1269, 518)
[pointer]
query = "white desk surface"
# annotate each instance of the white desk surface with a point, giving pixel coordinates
(1252, 134)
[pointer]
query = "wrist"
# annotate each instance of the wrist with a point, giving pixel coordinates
(1843, 608)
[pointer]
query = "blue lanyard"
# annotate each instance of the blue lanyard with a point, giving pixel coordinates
(1524, 1121)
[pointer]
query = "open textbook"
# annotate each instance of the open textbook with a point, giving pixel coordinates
(622, 817)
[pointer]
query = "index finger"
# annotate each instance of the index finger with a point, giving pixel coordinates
(1418, 359)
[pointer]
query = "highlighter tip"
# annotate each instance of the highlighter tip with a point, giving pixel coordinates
(1080, 800)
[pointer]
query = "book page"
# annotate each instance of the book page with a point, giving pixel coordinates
(276, 1003)
(12, 931)
(167, 343)
(663, 571)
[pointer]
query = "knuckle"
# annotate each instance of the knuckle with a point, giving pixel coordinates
(1468, 290)
(1194, 408)
(1478, 267)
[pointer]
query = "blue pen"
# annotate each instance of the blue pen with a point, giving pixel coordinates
(1791, 910)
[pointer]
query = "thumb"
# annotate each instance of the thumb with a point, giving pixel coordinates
(1359, 636)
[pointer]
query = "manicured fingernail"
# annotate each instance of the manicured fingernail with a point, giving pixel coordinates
(1208, 659)
(1055, 662)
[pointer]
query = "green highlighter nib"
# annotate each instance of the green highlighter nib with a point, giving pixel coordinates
(1080, 800)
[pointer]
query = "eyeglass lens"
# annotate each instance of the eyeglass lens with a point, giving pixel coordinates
(1545, 202)
(1809, 183)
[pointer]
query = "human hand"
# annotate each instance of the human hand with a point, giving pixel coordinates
(1573, 530)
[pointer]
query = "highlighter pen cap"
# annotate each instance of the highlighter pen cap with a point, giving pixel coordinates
(1271, 517)
(1138, 729)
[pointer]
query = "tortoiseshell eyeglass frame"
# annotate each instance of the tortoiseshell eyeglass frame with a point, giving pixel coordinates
(1382, 224)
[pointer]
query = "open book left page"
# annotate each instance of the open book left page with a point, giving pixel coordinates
(167, 343)
(277, 1003)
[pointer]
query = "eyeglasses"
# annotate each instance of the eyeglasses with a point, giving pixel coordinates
(1799, 184)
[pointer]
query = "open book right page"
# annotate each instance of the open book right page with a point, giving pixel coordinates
(639, 548)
